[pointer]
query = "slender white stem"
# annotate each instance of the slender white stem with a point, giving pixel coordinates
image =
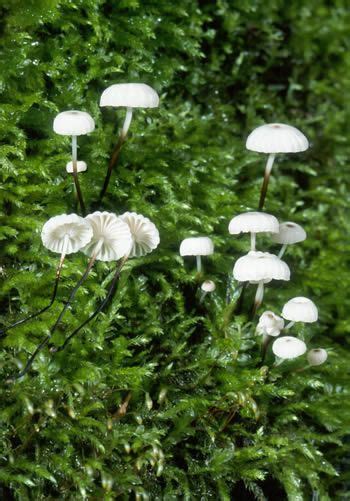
(259, 295)
(282, 251)
(199, 263)
(278, 361)
(288, 326)
(269, 164)
(268, 169)
(252, 241)
(202, 296)
(74, 153)
(127, 122)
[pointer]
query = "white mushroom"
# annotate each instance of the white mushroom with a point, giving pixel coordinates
(197, 246)
(288, 347)
(253, 223)
(289, 233)
(81, 166)
(300, 309)
(207, 287)
(145, 236)
(317, 356)
(270, 324)
(66, 234)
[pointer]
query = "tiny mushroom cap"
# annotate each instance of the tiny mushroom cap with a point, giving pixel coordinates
(197, 246)
(288, 347)
(66, 233)
(254, 222)
(260, 266)
(81, 166)
(270, 324)
(277, 138)
(208, 286)
(145, 236)
(73, 123)
(130, 95)
(317, 356)
(300, 309)
(289, 233)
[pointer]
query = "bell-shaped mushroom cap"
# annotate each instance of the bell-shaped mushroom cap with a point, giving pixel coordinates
(317, 356)
(270, 324)
(277, 138)
(197, 246)
(130, 95)
(81, 166)
(208, 286)
(254, 222)
(66, 233)
(144, 233)
(300, 309)
(73, 123)
(288, 347)
(289, 233)
(260, 266)
(111, 237)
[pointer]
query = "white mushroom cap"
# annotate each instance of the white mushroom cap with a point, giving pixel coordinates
(73, 123)
(260, 266)
(288, 347)
(130, 95)
(66, 233)
(277, 138)
(289, 233)
(111, 237)
(197, 246)
(270, 324)
(300, 309)
(317, 356)
(144, 233)
(208, 286)
(254, 222)
(81, 166)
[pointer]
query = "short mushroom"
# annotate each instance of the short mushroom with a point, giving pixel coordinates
(207, 287)
(269, 325)
(253, 223)
(272, 139)
(81, 166)
(144, 234)
(197, 246)
(288, 233)
(300, 309)
(288, 347)
(317, 356)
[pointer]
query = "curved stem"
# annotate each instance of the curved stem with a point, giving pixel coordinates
(258, 297)
(75, 174)
(282, 251)
(268, 168)
(289, 325)
(252, 241)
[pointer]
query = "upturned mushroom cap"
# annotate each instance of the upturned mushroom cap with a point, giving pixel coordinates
(253, 222)
(317, 356)
(260, 266)
(111, 237)
(66, 233)
(288, 347)
(130, 95)
(81, 166)
(289, 233)
(300, 309)
(208, 286)
(270, 324)
(145, 236)
(197, 246)
(277, 138)
(73, 123)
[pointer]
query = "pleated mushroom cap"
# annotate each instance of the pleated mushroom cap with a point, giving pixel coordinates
(145, 236)
(130, 95)
(316, 356)
(208, 286)
(260, 266)
(277, 138)
(66, 233)
(288, 347)
(73, 123)
(197, 246)
(253, 222)
(270, 324)
(111, 237)
(81, 166)
(289, 233)
(300, 309)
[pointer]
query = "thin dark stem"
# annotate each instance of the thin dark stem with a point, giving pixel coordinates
(265, 184)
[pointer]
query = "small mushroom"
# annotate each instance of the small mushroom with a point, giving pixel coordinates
(207, 287)
(300, 309)
(272, 139)
(317, 356)
(144, 234)
(81, 166)
(288, 347)
(197, 246)
(270, 324)
(253, 223)
(289, 233)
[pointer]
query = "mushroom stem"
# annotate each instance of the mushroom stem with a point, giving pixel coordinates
(201, 299)
(252, 241)
(268, 168)
(282, 251)
(258, 297)
(199, 263)
(288, 326)
(75, 174)
(265, 344)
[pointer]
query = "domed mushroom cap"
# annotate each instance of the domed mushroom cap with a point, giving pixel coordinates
(288, 347)
(197, 246)
(300, 309)
(254, 222)
(145, 236)
(317, 356)
(277, 138)
(260, 266)
(208, 286)
(81, 166)
(73, 123)
(111, 237)
(66, 233)
(130, 95)
(289, 233)
(270, 324)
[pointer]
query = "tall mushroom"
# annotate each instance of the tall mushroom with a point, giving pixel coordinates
(300, 309)
(253, 223)
(288, 233)
(198, 247)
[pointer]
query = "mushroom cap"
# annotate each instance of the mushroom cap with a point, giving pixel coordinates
(145, 236)
(316, 356)
(197, 246)
(81, 166)
(260, 266)
(254, 222)
(270, 324)
(73, 123)
(208, 286)
(289, 233)
(288, 347)
(300, 309)
(111, 237)
(277, 138)
(130, 95)
(66, 233)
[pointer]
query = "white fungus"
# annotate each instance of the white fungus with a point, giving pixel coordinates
(66, 234)
(208, 286)
(317, 356)
(130, 95)
(270, 324)
(81, 166)
(288, 347)
(288, 233)
(253, 222)
(73, 123)
(145, 236)
(197, 246)
(300, 309)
